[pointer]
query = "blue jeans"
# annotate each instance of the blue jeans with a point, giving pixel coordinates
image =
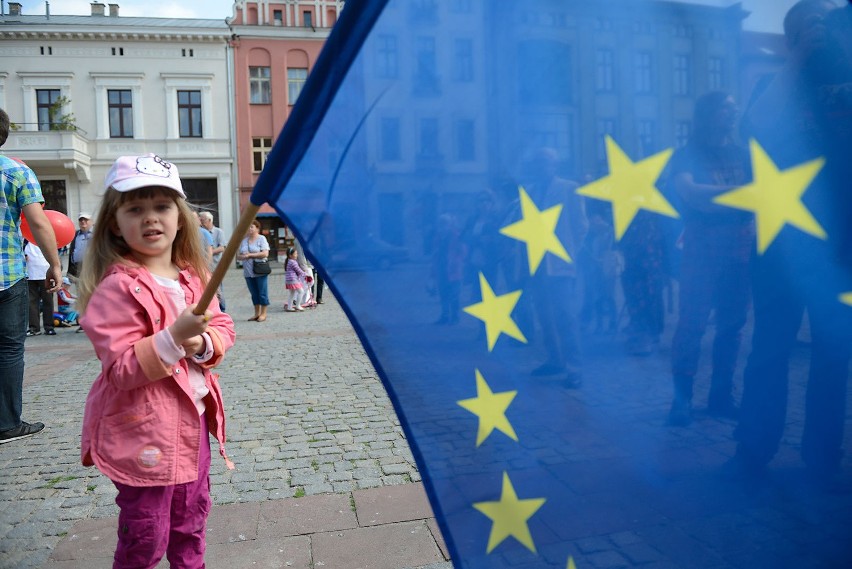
(257, 288)
(13, 330)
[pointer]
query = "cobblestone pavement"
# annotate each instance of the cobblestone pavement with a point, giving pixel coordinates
(306, 415)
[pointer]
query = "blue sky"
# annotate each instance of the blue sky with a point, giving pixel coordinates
(766, 14)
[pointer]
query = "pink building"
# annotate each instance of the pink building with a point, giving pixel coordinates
(275, 46)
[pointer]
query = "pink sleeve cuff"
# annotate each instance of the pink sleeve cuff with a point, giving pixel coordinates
(208, 350)
(167, 349)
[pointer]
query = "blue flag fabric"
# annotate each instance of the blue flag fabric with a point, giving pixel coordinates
(581, 273)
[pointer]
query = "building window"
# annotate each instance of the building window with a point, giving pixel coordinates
(681, 77)
(189, 114)
(604, 70)
(681, 133)
(278, 17)
(463, 61)
(715, 81)
(465, 141)
(426, 73)
(429, 138)
(120, 103)
(387, 57)
(390, 142)
(296, 77)
(260, 89)
(642, 72)
(646, 131)
(308, 18)
(260, 148)
(47, 107)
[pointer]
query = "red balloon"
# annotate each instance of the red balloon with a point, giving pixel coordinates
(63, 228)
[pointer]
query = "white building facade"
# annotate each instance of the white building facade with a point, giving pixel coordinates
(83, 90)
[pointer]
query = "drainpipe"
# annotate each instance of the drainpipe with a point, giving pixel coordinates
(235, 171)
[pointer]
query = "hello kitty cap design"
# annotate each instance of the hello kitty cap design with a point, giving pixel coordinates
(133, 172)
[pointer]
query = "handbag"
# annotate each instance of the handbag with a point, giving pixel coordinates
(261, 267)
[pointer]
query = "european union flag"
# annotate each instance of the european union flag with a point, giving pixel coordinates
(578, 241)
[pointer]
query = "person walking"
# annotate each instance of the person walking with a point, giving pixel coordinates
(40, 300)
(254, 248)
(296, 280)
(219, 243)
(150, 412)
(717, 247)
(805, 112)
(21, 195)
(77, 249)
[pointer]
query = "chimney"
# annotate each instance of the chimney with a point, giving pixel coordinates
(14, 8)
(113, 10)
(97, 9)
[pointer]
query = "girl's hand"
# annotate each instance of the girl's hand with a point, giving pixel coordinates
(188, 325)
(193, 345)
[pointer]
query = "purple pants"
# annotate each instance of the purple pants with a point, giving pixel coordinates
(165, 520)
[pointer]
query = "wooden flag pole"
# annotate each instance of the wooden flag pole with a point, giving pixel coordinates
(228, 255)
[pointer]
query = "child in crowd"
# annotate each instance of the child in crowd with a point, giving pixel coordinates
(296, 280)
(150, 412)
(66, 303)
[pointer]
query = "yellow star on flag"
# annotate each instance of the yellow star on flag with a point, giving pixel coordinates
(538, 230)
(630, 186)
(510, 516)
(571, 564)
(496, 312)
(491, 408)
(775, 197)
(846, 298)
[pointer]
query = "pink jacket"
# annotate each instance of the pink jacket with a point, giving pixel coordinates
(141, 426)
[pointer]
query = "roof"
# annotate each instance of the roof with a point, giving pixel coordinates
(43, 21)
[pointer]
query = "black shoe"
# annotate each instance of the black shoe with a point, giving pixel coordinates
(31, 333)
(80, 329)
(50, 333)
(25, 430)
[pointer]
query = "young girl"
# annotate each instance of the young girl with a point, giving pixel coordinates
(295, 279)
(150, 411)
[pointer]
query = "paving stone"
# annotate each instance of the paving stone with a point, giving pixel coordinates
(390, 546)
(310, 514)
(390, 504)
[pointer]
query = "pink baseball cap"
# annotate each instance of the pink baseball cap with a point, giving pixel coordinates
(134, 172)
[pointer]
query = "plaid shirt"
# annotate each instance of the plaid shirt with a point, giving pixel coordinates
(20, 188)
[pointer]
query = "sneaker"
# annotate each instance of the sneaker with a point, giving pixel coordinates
(31, 333)
(25, 430)
(299, 309)
(50, 333)
(80, 329)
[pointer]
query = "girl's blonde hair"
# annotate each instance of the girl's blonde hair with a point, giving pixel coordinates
(106, 248)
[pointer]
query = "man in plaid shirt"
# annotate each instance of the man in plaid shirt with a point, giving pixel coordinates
(20, 193)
